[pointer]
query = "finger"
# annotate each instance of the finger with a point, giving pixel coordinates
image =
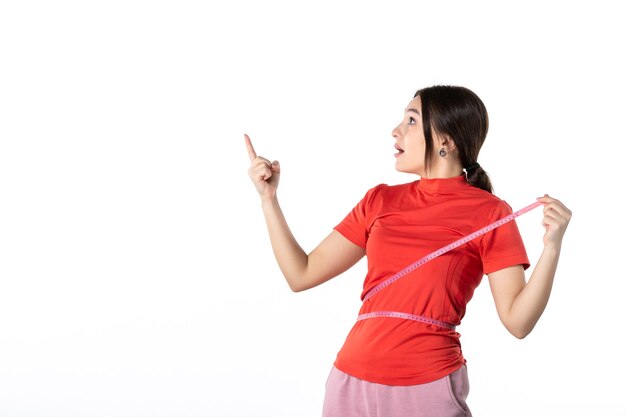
(552, 220)
(251, 152)
(557, 207)
(555, 223)
(552, 206)
(547, 200)
(550, 217)
(261, 172)
(262, 161)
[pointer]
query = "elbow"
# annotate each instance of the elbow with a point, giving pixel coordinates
(520, 335)
(294, 287)
(519, 332)
(303, 282)
(297, 286)
(294, 281)
(517, 328)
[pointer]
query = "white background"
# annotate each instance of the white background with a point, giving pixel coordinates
(136, 274)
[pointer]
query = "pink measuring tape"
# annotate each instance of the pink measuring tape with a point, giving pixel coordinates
(429, 258)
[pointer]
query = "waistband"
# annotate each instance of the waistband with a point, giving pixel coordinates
(406, 316)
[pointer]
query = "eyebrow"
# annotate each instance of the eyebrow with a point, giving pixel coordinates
(413, 110)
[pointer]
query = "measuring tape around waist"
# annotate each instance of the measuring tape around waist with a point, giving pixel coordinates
(429, 258)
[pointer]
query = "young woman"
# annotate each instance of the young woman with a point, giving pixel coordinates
(403, 356)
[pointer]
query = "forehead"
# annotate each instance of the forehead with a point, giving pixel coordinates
(416, 104)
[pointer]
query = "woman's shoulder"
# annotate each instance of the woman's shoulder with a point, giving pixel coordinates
(491, 204)
(395, 188)
(390, 191)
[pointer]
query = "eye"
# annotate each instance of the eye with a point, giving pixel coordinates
(411, 121)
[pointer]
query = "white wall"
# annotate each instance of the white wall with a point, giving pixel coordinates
(136, 275)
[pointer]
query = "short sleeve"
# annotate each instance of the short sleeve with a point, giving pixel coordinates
(503, 246)
(356, 225)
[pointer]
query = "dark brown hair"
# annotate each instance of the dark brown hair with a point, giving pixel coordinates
(460, 114)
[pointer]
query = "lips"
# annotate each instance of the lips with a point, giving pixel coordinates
(400, 151)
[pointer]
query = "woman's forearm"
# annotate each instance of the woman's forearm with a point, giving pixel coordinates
(531, 301)
(291, 258)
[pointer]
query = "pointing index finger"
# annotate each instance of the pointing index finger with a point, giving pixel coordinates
(251, 152)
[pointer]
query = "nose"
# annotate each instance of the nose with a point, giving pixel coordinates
(396, 132)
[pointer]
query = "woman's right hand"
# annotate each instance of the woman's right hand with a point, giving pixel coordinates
(264, 174)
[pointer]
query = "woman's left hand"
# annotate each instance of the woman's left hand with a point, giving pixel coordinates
(556, 217)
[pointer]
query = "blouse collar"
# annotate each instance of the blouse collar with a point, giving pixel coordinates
(442, 184)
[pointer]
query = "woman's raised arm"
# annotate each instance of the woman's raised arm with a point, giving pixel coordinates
(334, 255)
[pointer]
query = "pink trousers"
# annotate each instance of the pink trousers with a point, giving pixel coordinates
(347, 396)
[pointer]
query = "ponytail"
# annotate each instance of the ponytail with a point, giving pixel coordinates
(478, 177)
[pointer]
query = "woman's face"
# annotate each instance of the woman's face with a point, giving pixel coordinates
(410, 141)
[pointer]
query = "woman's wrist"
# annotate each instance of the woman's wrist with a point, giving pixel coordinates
(553, 247)
(269, 202)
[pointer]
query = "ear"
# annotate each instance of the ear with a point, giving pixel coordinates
(447, 142)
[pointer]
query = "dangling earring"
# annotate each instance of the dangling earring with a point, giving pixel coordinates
(442, 152)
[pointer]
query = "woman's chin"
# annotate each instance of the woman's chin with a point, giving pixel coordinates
(405, 169)
(400, 167)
